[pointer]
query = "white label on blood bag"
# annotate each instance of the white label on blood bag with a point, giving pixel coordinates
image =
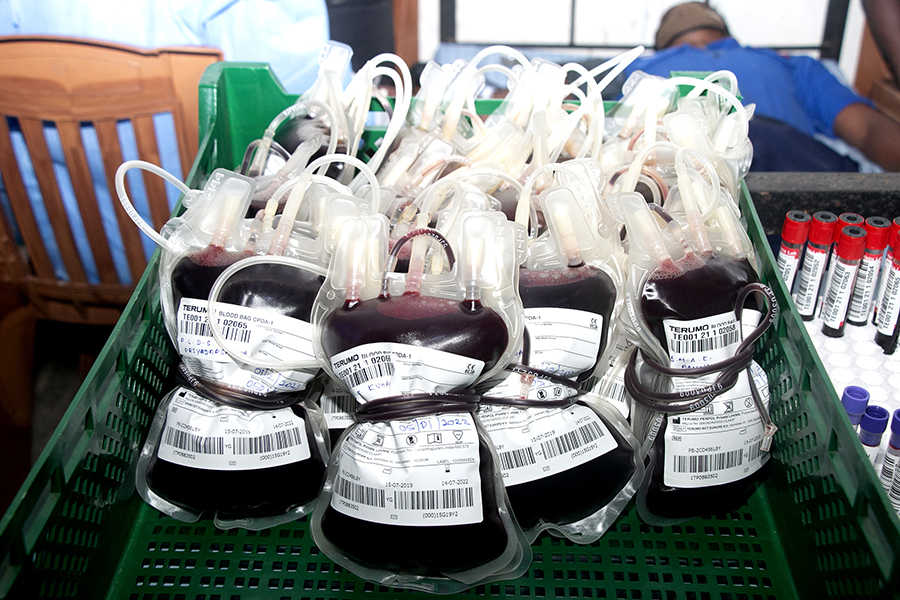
(562, 342)
(814, 263)
(254, 332)
(837, 296)
(788, 259)
(890, 303)
(705, 341)
(420, 472)
(610, 387)
(720, 443)
(337, 405)
(385, 369)
(534, 443)
(202, 434)
(864, 289)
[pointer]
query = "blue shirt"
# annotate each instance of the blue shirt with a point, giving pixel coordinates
(797, 90)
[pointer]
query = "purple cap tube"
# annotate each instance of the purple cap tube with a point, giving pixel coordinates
(871, 428)
(855, 399)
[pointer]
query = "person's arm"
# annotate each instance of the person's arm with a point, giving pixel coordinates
(883, 17)
(872, 132)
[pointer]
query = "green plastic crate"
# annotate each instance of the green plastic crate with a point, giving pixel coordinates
(819, 527)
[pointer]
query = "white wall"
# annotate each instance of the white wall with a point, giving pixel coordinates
(634, 22)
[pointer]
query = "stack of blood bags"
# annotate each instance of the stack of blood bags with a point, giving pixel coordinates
(480, 277)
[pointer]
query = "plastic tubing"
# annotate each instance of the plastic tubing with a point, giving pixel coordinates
(398, 119)
(279, 242)
(727, 370)
(510, 75)
(631, 175)
(701, 85)
(129, 207)
(523, 207)
(297, 109)
(212, 311)
(617, 64)
(464, 79)
(395, 251)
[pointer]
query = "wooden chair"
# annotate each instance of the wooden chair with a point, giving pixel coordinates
(67, 86)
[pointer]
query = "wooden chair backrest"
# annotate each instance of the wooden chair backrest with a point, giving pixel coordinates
(69, 84)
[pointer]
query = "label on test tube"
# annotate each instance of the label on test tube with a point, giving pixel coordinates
(878, 229)
(793, 235)
(838, 295)
(890, 303)
(850, 249)
(821, 233)
(887, 258)
(889, 308)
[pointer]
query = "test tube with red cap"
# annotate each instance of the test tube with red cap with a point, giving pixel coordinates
(877, 229)
(844, 219)
(845, 264)
(889, 308)
(885, 268)
(793, 235)
(818, 247)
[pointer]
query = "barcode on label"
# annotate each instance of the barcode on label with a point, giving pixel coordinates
(268, 443)
(808, 283)
(616, 393)
(703, 463)
(887, 470)
(360, 494)
(830, 307)
(755, 451)
(514, 459)
(194, 443)
(572, 440)
(590, 383)
(706, 344)
(200, 328)
(365, 374)
(434, 499)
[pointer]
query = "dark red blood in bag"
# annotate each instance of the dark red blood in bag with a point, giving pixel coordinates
(281, 289)
(583, 288)
(574, 494)
(466, 328)
(424, 551)
(195, 274)
(705, 291)
(278, 288)
(239, 494)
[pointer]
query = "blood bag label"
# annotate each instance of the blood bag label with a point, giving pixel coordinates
(535, 443)
(337, 405)
(251, 332)
(810, 278)
(721, 442)
(202, 434)
(562, 342)
(383, 369)
(419, 472)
